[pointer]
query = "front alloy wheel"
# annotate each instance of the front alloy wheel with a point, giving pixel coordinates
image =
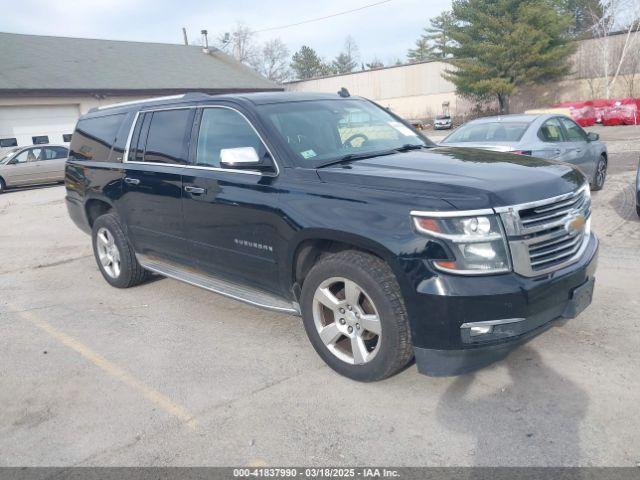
(347, 320)
(601, 174)
(354, 314)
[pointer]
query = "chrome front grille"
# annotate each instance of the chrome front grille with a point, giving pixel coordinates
(547, 235)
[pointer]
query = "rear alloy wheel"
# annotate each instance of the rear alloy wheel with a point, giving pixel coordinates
(114, 254)
(354, 315)
(601, 174)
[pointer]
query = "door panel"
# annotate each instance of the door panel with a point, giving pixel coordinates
(151, 201)
(233, 226)
(232, 222)
(551, 141)
(578, 147)
(26, 170)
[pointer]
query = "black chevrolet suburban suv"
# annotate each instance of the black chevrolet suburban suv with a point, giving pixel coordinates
(333, 208)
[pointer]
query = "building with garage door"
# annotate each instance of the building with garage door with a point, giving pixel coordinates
(46, 83)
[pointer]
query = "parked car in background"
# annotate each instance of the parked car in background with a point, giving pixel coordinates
(33, 165)
(388, 246)
(443, 122)
(548, 136)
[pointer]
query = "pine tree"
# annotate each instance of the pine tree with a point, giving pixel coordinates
(421, 52)
(307, 64)
(347, 60)
(500, 45)
(438, 36)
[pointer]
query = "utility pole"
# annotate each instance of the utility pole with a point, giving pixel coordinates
(184, 35)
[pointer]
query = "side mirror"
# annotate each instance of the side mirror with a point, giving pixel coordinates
(242, 157)
(593, 137)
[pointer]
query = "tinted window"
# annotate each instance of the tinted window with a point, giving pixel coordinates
(489, 132)
(574, 131)
(66, 137)
(223, 128)
(551, 131)
(167, 138)
(94, 137)
(8, 142)
(40, 139)
(54, 153)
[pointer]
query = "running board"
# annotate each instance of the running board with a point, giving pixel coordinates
(248, 295)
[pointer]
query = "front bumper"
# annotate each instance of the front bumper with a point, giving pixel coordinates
(443, 348)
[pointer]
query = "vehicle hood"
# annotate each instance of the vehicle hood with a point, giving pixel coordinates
(466, 178)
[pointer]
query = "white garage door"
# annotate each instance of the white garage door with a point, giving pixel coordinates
(25, 122)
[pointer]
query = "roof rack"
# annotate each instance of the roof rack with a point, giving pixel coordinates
(185, 96)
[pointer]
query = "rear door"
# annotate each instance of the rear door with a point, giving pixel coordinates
(52, 163)
(578, 150)
(151, 202)
(551, 141)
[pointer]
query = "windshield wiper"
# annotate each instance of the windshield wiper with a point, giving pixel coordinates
(357, 156)
(410, 146)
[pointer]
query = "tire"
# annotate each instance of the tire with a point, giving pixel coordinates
(374, 293)
(599, 176)
(3, 186)
(114, 255)
(638, 210)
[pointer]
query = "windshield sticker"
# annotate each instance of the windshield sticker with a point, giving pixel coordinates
(402, 129)
(308, 154)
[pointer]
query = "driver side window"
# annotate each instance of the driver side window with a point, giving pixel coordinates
(24, 157)
(222, 128)
(574, 131)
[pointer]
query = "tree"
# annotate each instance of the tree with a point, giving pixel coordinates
(421, 52)
(438, 36)
(347, 60)
(374, 64)
(585, 14)
(618, 33)
(240, 44)
(273, 61)
(307, 64)
(498, 46)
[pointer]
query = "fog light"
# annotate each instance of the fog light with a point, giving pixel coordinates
(481, 330)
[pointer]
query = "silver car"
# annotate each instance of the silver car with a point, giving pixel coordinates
(32, 165)
(553, 137)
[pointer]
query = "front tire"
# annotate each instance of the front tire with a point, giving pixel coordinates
(355, 318)
(601, 174)
(3, 186)
(114, 255)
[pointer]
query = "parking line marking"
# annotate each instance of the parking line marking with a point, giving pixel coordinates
(110, 368)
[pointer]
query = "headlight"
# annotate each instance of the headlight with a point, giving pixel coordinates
(478, 242)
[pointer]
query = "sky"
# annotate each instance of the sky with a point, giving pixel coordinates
(383, 31)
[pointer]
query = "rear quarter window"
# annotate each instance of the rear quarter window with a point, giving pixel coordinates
(94, 137)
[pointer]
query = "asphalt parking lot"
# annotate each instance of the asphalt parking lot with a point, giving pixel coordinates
(169, 374)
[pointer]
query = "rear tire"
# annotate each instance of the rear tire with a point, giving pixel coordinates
(114, 254)
(3, 186)
(600, 175)
(354, 315)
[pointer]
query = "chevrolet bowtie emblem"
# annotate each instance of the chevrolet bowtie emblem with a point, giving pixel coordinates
(576, 224)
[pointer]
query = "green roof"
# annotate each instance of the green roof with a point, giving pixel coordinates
(42, 63)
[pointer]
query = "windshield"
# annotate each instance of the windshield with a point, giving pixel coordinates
(488, 132)
(5, 154)
(323, 131)
(443, 117)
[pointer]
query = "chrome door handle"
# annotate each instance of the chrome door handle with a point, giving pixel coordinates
(194, 190)
(131, 181)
